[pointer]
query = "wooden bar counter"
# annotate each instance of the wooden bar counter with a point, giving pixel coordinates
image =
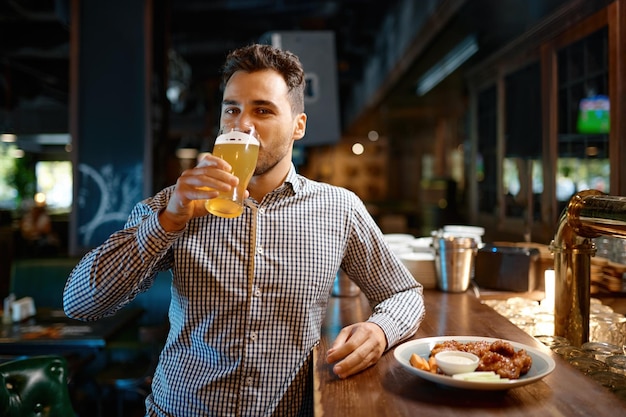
(387, 389)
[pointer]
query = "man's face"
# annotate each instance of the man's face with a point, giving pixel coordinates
(260, 98)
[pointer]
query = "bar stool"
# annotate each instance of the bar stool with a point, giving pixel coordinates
(129, 367)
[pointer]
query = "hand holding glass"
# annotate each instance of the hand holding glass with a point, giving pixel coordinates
(239, 146)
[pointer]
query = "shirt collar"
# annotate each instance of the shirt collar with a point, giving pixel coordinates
(293, 180)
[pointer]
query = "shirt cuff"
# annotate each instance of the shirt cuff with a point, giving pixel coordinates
(153, 238)
(389, 328)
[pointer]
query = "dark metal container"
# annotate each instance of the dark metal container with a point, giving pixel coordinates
(507, 268)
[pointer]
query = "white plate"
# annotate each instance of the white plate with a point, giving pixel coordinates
(542, 364)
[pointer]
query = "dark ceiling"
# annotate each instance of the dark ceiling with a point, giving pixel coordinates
(203, 31)
(34, 40)
(34, 53)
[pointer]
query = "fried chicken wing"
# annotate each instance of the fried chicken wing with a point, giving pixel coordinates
(499, 356)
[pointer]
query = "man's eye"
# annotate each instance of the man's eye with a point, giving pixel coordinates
(230, 110)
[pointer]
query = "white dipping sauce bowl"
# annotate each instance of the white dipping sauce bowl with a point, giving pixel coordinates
(453, 362)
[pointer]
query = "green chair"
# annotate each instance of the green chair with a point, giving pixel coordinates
(43, 279)
(35, 387)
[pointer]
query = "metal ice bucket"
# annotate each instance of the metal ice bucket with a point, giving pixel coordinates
(454, 262)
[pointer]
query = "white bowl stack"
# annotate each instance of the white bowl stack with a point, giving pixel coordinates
(422, 267)
(417, 255)
(399, 243)
(473, 232)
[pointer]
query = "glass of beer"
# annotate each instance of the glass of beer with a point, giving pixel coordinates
(239, 146)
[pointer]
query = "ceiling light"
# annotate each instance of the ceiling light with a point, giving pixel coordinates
(453, 60)
(40, 199)
(18, 153)
(186, 153)
(357, 149)
(8, 137)
(188, 148)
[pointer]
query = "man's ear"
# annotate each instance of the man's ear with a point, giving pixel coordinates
(299, 127)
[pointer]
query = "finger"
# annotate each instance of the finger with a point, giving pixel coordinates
(200, 183)
(357, 347)
(345, 344)
(194, 186)
(361, 358)
(336, 351)
(212, 160)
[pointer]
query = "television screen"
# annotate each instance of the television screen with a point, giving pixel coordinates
(593, 115)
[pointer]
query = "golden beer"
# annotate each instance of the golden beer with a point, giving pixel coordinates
(241, 151)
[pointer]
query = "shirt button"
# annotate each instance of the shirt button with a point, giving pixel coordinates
(262, 210)
(257, 292)
(249, 381)
(253, 336)
(259, 250)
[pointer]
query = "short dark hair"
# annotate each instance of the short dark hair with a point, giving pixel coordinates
(258, 57)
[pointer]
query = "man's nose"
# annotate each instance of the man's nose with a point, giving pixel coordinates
(245, 123)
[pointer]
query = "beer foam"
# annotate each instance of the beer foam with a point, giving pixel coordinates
(236, 137)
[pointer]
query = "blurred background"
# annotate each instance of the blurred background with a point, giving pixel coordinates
(478, 112)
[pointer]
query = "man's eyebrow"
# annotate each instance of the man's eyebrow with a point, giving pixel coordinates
(267, 103)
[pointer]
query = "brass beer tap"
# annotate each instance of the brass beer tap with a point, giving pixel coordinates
(589, 214)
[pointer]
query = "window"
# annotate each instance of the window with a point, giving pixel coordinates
(487, 168)
(583, 122)
(8, 193)
(523, 142)
(54, 180)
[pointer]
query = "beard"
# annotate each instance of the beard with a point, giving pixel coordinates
(268, 160)
(262, 168)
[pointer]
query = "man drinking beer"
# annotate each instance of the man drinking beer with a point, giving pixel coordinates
(249, 293)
